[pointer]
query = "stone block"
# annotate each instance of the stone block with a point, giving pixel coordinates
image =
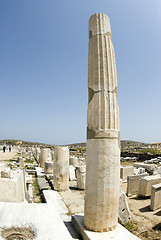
(72, 176)
(139, 170)
(124, 211)
(149, 167)
(133, 183)
(48, 167)
(119, 233)
(49, 196)
(146, 183)
(43, 219)
(155, 197)
(43, 185)
(12, 189)
(126, 171)
(5, 173)
(73, 161)
(39, 172)
(21, 162)
(157, 171)
(81, 177)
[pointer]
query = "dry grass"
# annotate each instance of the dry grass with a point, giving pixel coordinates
(36, 192)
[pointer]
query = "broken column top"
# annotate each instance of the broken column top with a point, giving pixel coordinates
(99, 23)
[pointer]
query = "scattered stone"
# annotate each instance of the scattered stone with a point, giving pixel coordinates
(124, 212)
(133, 183)
(48, 167)
(81, 177)
(149, 167)
(73, 161)
(157, 171)
(146, 184)
(72, 176)
(49, 196)
(12, 189)
(118, 233)
(43, 185)
(21, 162)
(155, 197)
(39, 172)
(139, 170)
(126, 171)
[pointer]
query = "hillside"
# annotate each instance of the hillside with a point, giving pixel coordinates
(124, 143)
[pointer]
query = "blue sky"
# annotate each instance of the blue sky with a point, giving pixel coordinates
(44, 68)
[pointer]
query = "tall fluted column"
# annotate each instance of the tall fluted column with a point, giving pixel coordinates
(103, 131)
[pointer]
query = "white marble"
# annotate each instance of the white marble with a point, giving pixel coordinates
(44, 218)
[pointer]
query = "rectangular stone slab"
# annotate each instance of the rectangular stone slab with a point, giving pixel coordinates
(125, 172)
(155, 197)
(119, 233)
(146, 183)
(43, 217)
(133, 183)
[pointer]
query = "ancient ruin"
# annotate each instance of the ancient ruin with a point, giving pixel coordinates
(80, 191)
(61, 168)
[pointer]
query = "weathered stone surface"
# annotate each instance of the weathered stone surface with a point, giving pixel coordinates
(157, 171)
(61, 168)
(119, 233)
(155, 197)
(5, 173)
(73, 161)
(133, 183)
(124, 211)
(43, 218)
(72, 176)
(42, 184)
(139, 170)
(21, 162)
(103, 137)
(126, 171)
(149, 167)
(48, 167)
(12, 189)
(81, 177)
(37, 154)
(39, 172)
(49, 196)
(146, 183)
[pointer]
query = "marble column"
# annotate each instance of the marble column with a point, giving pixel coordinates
(61, 168)
(103, 130)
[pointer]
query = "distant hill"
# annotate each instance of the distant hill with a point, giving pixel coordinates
(124, 144)
(128, 143)
(23, 143)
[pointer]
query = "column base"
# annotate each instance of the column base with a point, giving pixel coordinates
(119, 233)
